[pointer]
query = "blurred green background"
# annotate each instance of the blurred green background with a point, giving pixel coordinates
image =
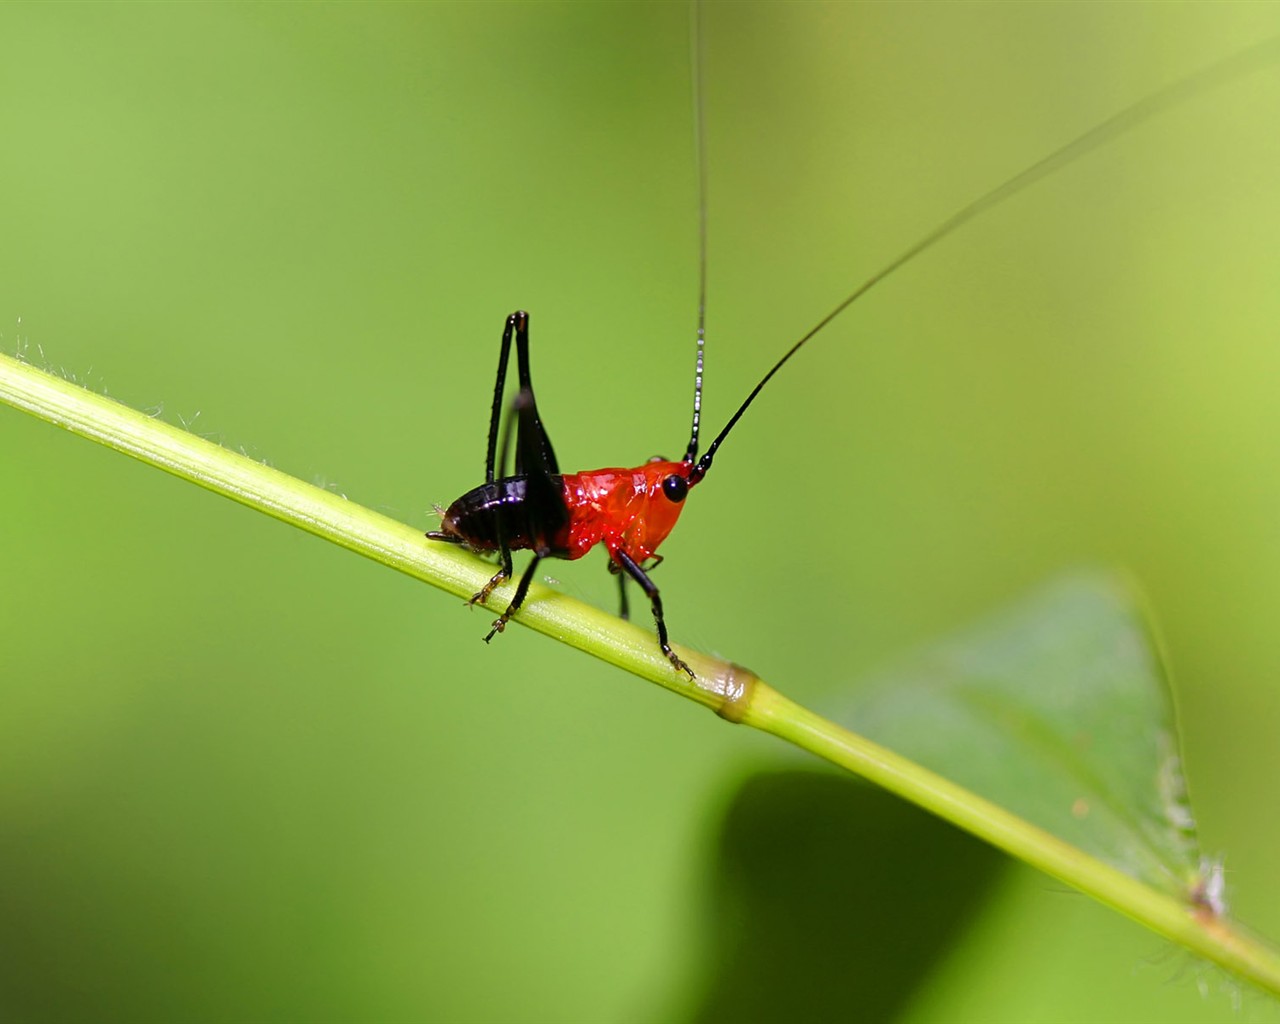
(245, 775)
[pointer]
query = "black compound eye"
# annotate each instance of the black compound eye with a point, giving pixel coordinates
(675, 488)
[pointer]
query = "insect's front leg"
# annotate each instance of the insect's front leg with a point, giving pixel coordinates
(632, 569)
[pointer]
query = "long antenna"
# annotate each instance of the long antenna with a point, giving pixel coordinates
(1212, 77)
(696, 62)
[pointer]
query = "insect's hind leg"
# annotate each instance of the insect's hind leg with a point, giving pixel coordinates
(495, 416)
(500, 623)
(518, 404)
(633, 570)
(500, 577)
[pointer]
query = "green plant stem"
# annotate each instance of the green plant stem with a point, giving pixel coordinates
(733, 692)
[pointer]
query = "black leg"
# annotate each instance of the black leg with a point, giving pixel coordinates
(647, 585)
(624, 606)
(500, 623)
(522, 400)
(537, 440)
(534, 457)
(533, 446)
(534, 454)
(495, 416)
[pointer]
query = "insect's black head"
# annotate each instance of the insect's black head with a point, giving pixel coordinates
(675, 487)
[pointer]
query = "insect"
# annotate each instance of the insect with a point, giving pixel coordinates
(527, 503)
(630, 511)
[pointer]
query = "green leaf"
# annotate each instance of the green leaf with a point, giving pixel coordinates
(1059, 710)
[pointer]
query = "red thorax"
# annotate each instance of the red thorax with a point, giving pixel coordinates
(627, 509)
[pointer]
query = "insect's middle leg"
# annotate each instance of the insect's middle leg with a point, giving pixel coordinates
(624, 605)
(632, 569)
(500, 623)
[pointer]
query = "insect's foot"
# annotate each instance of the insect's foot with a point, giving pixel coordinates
(498, 626)
(497, 581)
(679, 664)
